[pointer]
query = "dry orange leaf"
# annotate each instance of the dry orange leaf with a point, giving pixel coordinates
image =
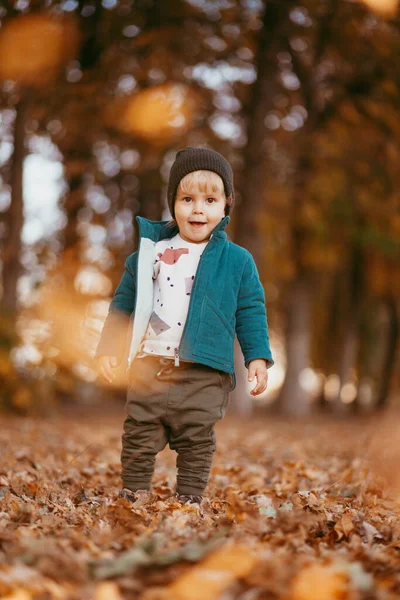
(34, 47)
(319, 582)
(159, 111)
(18, 594)
(107, 591)
(344, 527)
(208, 579)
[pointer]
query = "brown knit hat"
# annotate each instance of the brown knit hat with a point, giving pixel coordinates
(191, 159)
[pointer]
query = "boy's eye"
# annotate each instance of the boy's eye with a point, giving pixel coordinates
(188, 199)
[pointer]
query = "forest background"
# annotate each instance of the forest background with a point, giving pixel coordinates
(302, 98)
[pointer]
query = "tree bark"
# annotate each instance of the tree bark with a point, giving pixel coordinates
(252, 190)
(150, 196)
(348, 355)
(293, 398)
(390, 354)
(15, 216)
(73, 203)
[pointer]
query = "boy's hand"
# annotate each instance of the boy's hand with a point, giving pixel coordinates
(258, 369)
(106, 363)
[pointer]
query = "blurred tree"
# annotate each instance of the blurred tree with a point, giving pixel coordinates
(326, 84)
(117, 55)
(33, 50)
(280, 89)
(253, 196)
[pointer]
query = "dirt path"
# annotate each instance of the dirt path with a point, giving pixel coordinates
(294, 511)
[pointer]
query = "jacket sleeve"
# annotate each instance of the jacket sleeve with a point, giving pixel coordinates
(251, 316)
(114, 334)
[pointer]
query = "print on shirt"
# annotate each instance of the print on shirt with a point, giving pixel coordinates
(171, 256)
(188, 285)
(174, 270)
(157, 324)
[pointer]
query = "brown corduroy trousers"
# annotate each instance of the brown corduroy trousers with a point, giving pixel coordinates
(175, 405)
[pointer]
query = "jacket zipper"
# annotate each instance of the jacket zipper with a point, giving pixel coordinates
(178, 349)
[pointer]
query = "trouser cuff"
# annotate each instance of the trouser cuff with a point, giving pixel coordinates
(133, 486)
(186, 490)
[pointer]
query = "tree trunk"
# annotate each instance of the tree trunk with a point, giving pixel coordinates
(347, 361)
(328, 336)
(11, 261)
(247, 211)
(150, 196)
(348, 355)
(390, 354)
(252, 188)
(74, 201)
(293, 398)
(15, 217)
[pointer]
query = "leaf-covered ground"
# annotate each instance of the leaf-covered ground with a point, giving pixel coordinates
(298, 511)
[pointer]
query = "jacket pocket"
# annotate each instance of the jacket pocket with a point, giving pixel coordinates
(215, 334)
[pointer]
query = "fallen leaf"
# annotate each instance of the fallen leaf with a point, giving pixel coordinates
(269, 512)
(371, 532)
(107, 591)
(318, 582)
(344, 527)
(212, 576)
(18, 594)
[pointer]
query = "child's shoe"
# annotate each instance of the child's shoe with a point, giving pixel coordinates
(134, 496)
(189, 499)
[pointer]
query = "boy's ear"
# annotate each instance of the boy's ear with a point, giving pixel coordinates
(228, 204)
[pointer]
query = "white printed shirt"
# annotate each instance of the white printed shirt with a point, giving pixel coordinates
(174, 270)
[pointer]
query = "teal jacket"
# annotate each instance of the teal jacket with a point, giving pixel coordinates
(227, 298)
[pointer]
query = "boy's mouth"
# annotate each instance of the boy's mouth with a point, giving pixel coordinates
(197, 224)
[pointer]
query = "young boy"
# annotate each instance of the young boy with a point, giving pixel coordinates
(186, 292)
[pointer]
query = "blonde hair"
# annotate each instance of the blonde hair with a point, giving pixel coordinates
(205, 181)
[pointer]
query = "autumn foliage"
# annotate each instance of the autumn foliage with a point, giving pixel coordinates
(292, 512)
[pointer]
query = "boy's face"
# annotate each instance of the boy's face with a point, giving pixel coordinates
(197, 213)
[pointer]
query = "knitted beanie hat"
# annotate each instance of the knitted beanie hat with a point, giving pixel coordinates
(191, 159)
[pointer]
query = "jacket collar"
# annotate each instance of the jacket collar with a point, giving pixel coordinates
(160, 230)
